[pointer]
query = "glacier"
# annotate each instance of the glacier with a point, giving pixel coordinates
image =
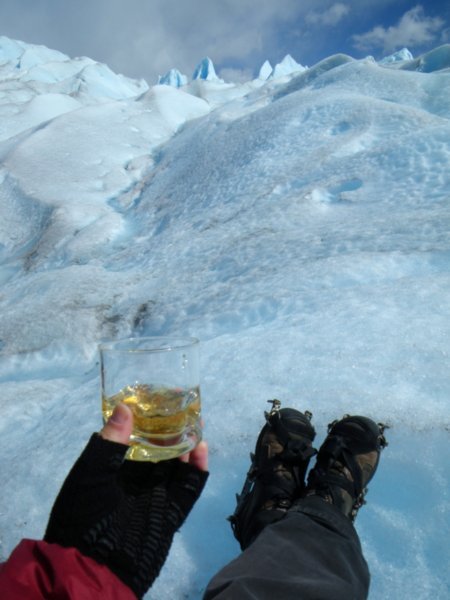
(298, 224)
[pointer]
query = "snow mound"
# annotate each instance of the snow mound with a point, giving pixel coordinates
(174, 106)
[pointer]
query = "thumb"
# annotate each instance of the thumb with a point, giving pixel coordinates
(119, 425)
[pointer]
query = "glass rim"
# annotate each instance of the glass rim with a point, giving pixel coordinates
(168, 343)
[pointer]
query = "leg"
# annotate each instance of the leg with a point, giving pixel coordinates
(299, 541)
(313, 553)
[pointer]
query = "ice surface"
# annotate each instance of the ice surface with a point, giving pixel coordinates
(299, 227)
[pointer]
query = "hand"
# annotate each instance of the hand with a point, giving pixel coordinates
(124, 513)
(118, 429)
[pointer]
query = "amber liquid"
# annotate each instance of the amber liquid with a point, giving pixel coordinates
(166, 420)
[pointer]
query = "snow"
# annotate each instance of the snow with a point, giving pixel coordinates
(299, 226)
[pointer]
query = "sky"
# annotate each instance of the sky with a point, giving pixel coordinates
(146, 38)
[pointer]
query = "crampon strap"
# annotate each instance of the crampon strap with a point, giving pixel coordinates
(338, 450)
(295, 447)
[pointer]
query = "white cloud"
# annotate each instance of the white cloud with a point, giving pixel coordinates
(413, 29)
(171, 33)
(331, 16)
(148, 37)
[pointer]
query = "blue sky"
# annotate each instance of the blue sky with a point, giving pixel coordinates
(145, 38)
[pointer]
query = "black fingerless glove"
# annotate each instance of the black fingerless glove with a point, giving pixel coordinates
(123, 514)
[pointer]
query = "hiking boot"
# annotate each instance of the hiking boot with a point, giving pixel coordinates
(277, 472)
(346, 462)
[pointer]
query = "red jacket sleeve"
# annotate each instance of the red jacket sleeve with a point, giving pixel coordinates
(40, 571)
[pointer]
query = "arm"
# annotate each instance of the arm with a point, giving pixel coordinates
(37, 570)
(114, 515)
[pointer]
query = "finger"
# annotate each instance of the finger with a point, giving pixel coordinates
(198, 457)
(119, 425)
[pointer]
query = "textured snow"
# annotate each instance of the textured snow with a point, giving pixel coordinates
(298, 226)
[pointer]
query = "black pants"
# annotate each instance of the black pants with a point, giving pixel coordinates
(313, 553)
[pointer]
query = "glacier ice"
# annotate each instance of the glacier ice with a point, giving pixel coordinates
(400, 55)
(173, 78)
(205, 70)
(298, 226)
(265, 70)
(286, 67)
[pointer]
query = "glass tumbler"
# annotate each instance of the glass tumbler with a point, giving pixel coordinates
(158, 378)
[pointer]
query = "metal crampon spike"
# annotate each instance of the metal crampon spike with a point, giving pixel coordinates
(276, 405)
(383, 426)
(383, 440)
(332, 424)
